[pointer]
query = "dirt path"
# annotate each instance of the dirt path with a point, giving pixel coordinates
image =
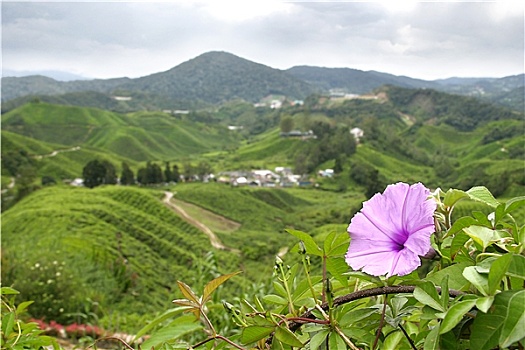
(214, 240)
(54, 153)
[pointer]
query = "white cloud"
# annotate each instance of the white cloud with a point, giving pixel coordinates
(419, 39)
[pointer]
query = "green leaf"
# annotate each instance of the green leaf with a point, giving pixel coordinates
(309, 243)
(159, 319)
(335, 341)
(513, 328)
(365, 277)
(484, 303)
(8, 320)
(514, 203)
(479, 281)
(482, 194)
(454, 272)
(336, 267)
(252, 334)
(8, 290)
(23, 306)
(452, 196)
(460, 224)
(484, 236)
(393, 340)
(432, 339)
(279, 289)
(187, 292)
(318, 339)
(458, 243)
(303, 288)
(177, 329)
(455, 314)
(214, 284)
(357, 315)
(517, 266)
(502, 325)
(336, 244)
(275, 299)
(497, 272)
(444, 291)
(426, 294)
(286, 336)
(499, 213)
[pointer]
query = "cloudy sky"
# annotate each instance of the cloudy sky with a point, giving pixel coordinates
(427, 40)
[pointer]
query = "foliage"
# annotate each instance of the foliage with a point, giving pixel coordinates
(97, 173)
(468, 295)
(18, 334)
(127, 177)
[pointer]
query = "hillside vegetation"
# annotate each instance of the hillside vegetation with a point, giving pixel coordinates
(137, 136)
(115, 252)
(218, 77)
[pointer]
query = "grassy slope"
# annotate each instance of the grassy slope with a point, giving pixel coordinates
(67, 164)
(139, 136)
(81, 227)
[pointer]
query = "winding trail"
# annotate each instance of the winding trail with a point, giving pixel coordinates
(54, 153)
(214, 240)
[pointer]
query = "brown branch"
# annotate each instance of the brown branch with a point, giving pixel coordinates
(365, 294)
(308, 315)
(381, 323)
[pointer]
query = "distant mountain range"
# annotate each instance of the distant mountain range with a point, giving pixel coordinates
(216, 77)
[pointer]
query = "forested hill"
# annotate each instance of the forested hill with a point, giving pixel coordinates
(212, 77)
(217, 77)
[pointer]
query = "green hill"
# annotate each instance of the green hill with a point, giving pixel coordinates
(138, 136)
(120, 249)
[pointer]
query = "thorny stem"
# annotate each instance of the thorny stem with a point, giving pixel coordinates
(408, 337)
(381, 323)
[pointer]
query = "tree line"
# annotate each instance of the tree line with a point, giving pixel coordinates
(102, 172)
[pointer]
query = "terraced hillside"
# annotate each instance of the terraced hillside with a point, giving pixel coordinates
(122, 249)
(137, 136)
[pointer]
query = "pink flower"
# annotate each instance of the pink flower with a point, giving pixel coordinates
(391, 231)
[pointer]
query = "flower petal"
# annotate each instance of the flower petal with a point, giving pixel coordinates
(374, 258)
(392, 230)
(419, 242)
(405, 262)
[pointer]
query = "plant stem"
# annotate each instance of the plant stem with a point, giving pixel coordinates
(217, 337)
(355, 296)
(346, 339)
(288, 294)
(324, 279)
(117, 339)
(408, 338)
(207, 322)
(307, 273)
(366, 294)
(381, 323)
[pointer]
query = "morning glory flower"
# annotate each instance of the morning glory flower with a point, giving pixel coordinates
(392, 231)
